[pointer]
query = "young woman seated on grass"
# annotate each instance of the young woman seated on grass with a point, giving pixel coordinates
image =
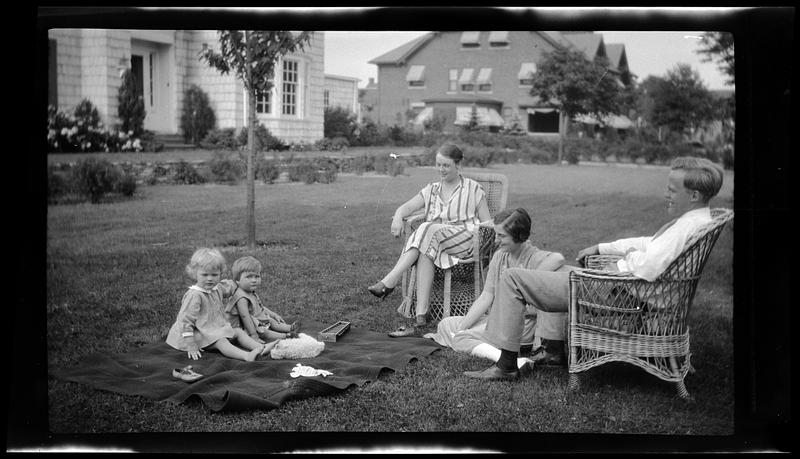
(201, 323)
(466, 333)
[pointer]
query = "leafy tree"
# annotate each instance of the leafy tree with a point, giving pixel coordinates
(198, 116)
(252, 55)
(718, 47)
(680, 101)
(340, 122)
(566, 80)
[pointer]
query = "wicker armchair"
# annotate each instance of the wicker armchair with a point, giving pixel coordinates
(455, 289)
(619, 317)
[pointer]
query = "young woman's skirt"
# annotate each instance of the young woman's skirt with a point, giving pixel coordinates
(444, 244)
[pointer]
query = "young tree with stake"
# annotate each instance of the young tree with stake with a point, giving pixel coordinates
(252, 55)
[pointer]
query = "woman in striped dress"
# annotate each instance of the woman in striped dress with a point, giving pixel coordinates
(453, 209)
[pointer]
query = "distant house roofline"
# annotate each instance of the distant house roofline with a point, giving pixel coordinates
(341, 77)
(401, 54)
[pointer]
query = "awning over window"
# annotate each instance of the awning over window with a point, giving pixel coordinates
(486, 116)
(540, 110)
(498, 37)
(526, 70)
(415, 73)
(466, 76)
(469, 37)
(424, 115)
(614, 121)
(484, 76)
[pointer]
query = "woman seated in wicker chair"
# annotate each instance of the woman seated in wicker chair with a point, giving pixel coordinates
(514, 250)
(453, 209)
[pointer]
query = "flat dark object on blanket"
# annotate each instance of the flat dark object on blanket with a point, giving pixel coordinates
(234, 385)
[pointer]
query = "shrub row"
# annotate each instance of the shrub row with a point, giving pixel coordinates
(82, 131)
(92, 179)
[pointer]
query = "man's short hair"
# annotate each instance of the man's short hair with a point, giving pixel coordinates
(702, 175)
(245, 264)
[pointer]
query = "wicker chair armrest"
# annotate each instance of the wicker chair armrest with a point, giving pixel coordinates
(599, 261)
(412, 222)
(598, 274)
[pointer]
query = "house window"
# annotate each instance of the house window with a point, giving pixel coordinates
(484, 80)
(465, 81)
(326, 98)
(498, 39)
(290, 79)
(264, 102)
(470, 40)
(543, 120)
(52, 74)
(415, 76)
(452, 86)
(526, 71)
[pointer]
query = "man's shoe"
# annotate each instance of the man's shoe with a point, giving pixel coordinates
(541, 357)
(526, 369)
(493, 373)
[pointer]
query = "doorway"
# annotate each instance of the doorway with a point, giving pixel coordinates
(151, 72)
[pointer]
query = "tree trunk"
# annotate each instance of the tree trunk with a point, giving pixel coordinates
(250, 224)
(561, 129)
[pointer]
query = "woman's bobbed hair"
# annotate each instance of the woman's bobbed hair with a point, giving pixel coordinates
(516, 222)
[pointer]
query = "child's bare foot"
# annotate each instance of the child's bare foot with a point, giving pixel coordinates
(291, 334)
(252, 355)
(267, 347)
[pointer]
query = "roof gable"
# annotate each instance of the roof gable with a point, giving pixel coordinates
(403, 52)
(616, 56)
(589, 43)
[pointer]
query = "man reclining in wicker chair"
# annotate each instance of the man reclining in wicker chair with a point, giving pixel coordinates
(692, 182)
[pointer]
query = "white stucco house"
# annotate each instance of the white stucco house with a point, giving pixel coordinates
(88, 63)
(342, 91)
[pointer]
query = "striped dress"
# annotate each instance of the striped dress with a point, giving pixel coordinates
(446, 235)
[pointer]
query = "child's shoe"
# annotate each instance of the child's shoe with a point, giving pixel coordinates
(186, 374)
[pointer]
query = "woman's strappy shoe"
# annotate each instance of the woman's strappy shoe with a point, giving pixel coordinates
(380, 290)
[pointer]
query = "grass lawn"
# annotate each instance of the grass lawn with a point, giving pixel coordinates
(115, 279)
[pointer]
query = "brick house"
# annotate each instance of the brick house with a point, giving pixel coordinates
(368, 99)
(444, 74)
(88, 63)
(342, 91)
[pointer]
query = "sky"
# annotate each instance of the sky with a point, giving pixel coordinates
(347, 53)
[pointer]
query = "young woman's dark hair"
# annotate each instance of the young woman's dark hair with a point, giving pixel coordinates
(516, 222)
(451, 151)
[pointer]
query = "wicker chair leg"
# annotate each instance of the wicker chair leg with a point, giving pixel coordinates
(682, 392)
(574, 382)
(448, 276)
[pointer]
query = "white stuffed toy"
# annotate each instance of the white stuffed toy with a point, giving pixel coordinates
(302, 347)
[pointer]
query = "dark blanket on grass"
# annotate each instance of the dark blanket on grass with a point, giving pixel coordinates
(230, 385)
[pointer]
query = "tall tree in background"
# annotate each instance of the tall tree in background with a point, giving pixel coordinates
(252, 55)
(718, 47)
(680, 100)
(566, 80)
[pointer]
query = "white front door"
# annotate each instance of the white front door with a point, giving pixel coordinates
(150, 66)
